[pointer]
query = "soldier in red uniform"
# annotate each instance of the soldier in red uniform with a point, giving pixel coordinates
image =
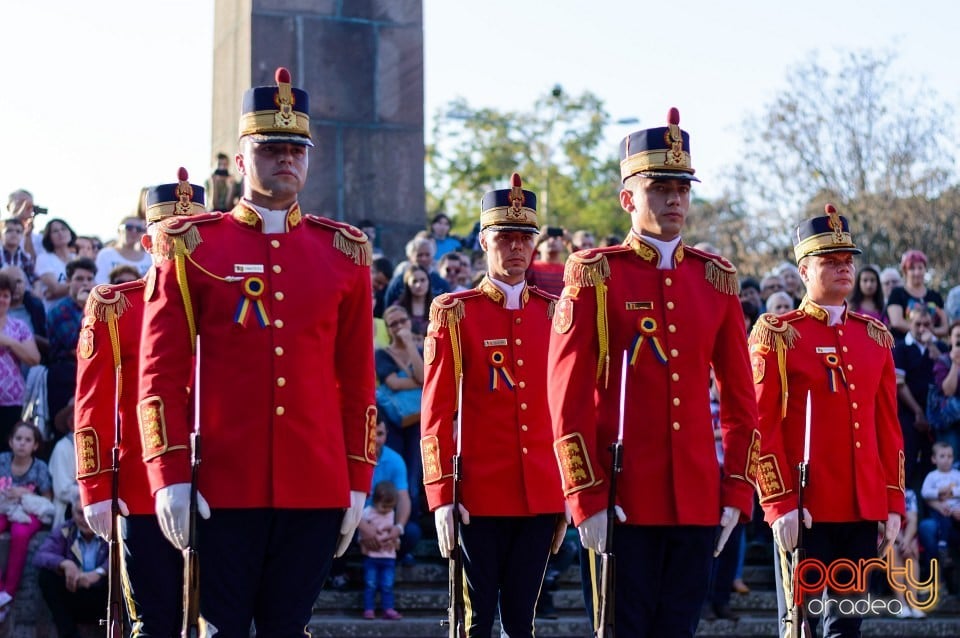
(676, 312)
(108, 359)
(280, 303)
(495, 338)
(843, 360)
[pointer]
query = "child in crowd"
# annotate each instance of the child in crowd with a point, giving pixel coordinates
(908, 549)
(21, 473)
(941, 491)
(379, 566)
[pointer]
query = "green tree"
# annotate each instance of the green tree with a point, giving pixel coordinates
(874, 143)
(558, 148)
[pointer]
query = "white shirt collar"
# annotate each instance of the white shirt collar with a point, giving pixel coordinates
(512, 292)
(666, 249)
(274, 221)
(835, 313)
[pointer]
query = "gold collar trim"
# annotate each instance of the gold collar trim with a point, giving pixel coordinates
(648, 252)
(249, 216)
(818, 312)
(491, 290)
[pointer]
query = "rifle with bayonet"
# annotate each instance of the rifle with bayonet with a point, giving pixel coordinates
(605, 617)
(799, 624)
(114, 621)
(191, 558)
(456, 612)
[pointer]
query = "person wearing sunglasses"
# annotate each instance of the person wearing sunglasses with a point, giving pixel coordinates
(126, 252)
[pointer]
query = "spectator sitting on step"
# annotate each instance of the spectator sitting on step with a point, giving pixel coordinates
(941, 491)
(73, 565)
(22, 474)
(63, 466)
(391, 467)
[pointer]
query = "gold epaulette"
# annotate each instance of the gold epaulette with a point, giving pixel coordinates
(588, 267)
(349, 240)
(876, 330)
(721, 274)
(106, 301)
(448, 309)
(179, 235)
(550, 299)
(775, 332)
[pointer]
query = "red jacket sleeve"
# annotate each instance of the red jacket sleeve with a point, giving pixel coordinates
(356, 376)
(439, 403)
(95, 410)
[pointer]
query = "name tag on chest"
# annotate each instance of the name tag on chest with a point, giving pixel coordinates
(247, 268)
(491, 343)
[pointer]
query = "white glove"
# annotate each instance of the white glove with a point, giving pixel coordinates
(443, 516)
(172, 504)
(593, 531)
(890, 531)
(728, 521)
(98, 516)
(351, 519)
(785, 529)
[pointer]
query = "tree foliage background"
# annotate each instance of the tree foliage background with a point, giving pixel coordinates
(858, 135)
(558, 148)
(851, 131)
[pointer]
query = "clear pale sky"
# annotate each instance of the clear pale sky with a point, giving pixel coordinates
(100, 98)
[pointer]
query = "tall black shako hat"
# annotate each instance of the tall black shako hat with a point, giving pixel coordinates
(821, 235)
(658, 153)
(510, 209)
(278, 113)
(181, 198)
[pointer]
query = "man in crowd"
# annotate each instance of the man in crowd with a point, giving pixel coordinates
(676, 312)
(390, 467)
(914, 356)
(20, 205)
(770, 284)
(64, 320)
(281, 307)
(13, 253)
(419, 251)
(841, 360)
(108, 362)
(489, 344)
(222, 189)
(73, 574)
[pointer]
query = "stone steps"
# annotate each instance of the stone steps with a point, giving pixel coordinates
(422, 597)
(577, 627)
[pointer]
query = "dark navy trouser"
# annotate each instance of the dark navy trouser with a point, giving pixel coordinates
(266, 566)
(505, 558)
(662, 574)
(153, 578)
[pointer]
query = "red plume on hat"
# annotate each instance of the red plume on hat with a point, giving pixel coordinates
(184, 192)
(516, 192)
(835, 224)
